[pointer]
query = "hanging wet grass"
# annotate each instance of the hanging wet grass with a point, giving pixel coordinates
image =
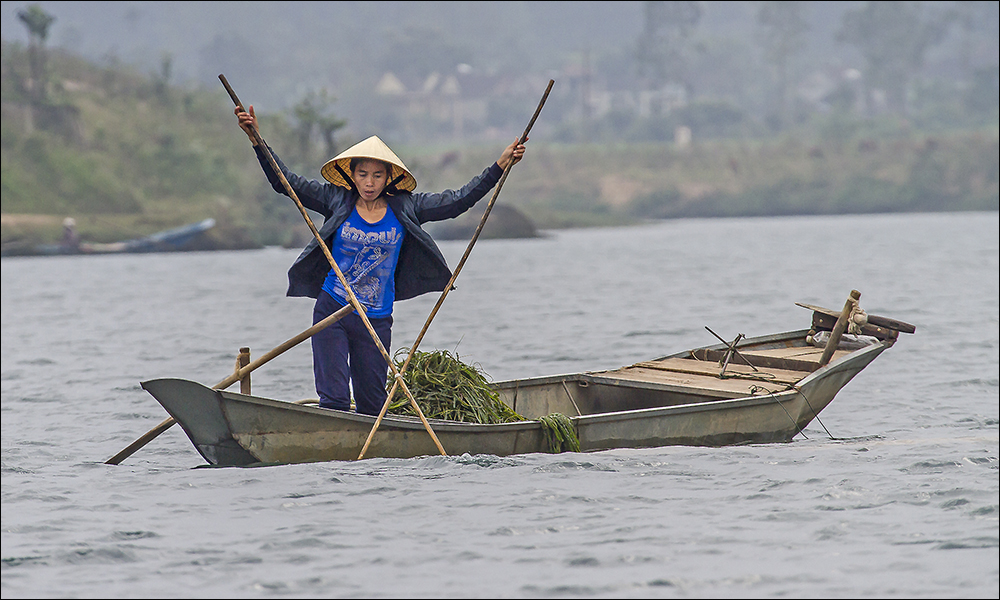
(560, 433)
(447, 388)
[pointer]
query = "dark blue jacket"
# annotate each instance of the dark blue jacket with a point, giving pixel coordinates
(421, 267)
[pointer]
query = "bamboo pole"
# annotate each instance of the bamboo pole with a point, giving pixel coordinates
(839, 327)
(233, 378)
(333, 264)
(454, 276)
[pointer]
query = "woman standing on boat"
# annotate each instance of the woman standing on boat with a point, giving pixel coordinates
(371, 225)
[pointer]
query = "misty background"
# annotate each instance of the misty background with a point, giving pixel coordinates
(113, 113)
(465, 70)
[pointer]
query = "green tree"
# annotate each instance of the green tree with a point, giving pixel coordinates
(893, 38)
(663, 47)
(314, 116)
(161, 80)
(38, 22)
(782, 28)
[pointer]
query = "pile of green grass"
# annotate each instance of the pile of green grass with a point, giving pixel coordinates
(447, 388)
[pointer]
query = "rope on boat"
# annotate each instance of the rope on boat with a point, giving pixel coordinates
(858, 318)
(759, 376)
(754, 389)
(815, 414)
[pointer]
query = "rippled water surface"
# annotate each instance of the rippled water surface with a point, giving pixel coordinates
(902, 502)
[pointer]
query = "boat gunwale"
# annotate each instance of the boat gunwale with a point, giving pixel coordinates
(401, 421)
(600, 377)
(414, 423)
(841, 364)
(791, 399)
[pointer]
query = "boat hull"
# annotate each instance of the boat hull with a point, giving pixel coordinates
(231, 429)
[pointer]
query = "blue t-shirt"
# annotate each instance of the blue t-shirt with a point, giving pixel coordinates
(367, 254)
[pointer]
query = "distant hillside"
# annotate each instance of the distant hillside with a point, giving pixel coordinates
(123, 153)
(127, 154)
(575, 185)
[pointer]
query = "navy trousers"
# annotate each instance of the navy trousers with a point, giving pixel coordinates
(345, 357)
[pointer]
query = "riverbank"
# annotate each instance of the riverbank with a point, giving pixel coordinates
(565, 186)
(90, 151)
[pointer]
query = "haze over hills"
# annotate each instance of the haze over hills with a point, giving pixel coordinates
(278, 53)
(278, 50)
(660, 109)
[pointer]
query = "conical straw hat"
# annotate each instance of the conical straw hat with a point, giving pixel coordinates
(375, 148)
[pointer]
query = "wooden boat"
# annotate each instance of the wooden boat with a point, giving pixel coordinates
(753, 390)
(170, 240)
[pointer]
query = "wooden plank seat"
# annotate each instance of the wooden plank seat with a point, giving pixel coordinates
(701, 376)
(792, 358)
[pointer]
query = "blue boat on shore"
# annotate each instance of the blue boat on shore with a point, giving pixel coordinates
(170, 240)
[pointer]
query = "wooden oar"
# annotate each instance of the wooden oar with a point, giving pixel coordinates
(454, 276)
(231, 379)
(336, 268)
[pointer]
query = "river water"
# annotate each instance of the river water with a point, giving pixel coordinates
(902, 501)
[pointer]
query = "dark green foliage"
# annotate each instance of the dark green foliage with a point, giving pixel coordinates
(128, 154)
(560, 433)
(862, 194)
(845, 176)
(37, 21)
(447, 388)
(52, 179)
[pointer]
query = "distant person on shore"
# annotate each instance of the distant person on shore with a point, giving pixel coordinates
(70, 237)
(371, 225)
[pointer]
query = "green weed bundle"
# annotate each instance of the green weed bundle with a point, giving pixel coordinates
(447, 388)
(560, 433)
